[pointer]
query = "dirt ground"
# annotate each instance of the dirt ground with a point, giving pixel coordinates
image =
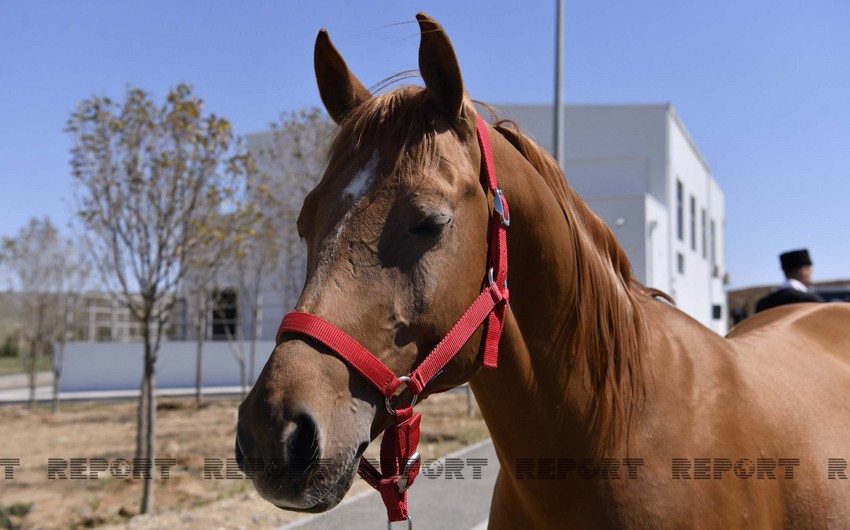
(104, 434)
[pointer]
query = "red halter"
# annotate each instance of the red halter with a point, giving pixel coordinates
(399, 459)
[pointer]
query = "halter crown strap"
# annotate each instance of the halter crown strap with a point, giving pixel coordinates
(399, 459)
(498, 259)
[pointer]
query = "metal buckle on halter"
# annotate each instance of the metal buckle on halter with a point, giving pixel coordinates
(404, 478)
(499, 207)
(403, 379)
(409, 524)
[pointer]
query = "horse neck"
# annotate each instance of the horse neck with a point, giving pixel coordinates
(534, 390)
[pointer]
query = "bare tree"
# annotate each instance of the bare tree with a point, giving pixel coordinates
(259, 263)
(246, 268)
(74, 282)
(223, 240)
(231, 323)
(149, 179)
(200, 300)
(34, 260)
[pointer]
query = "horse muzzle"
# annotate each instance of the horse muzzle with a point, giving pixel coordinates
(286, 464)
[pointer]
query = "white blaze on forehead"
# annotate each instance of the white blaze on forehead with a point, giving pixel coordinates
(362, 181)
(352, 193)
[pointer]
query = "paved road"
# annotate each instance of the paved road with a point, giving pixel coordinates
(436, 501)
(20, 380)
(11, 396)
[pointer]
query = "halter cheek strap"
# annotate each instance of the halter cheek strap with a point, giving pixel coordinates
(399, 459)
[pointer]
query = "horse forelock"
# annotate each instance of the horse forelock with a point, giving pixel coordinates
(606, 329)
(398, 125)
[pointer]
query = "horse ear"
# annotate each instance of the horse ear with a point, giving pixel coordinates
(341, 91)
(439, 68)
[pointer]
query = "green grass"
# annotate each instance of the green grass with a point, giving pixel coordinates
(13, 365)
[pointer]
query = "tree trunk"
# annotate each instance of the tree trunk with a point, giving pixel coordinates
(141, 416)
(243, 372)
(252, 348)
(59, 356)
(255, 312)
(243, 378)
(58, 361)
(150, 434)
(32, 372)
(199, 357)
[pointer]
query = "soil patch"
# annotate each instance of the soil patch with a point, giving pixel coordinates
(102, 436)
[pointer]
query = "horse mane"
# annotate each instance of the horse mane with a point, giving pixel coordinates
(607, 326)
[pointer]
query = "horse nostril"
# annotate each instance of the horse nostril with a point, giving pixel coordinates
(240, 457)
(302, 440)
(239, 448)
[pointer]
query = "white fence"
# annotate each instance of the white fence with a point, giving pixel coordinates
(118, 366)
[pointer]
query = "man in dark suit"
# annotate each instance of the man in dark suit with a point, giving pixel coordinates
(797, 266)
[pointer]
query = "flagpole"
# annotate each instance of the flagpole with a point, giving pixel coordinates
(558, 135)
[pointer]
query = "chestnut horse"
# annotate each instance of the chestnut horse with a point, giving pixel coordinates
(609, 407)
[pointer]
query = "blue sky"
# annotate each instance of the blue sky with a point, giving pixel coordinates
(762, 86)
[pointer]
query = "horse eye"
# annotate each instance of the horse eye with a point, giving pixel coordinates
(431, 226)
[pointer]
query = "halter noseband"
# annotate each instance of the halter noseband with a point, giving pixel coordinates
(399, 459)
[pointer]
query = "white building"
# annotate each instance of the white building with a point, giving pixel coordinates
(637, 167)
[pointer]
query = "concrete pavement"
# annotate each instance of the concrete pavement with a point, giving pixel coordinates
(20, 394)
(450, 493)
(20, 380)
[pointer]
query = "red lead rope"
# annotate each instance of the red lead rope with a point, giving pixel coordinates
(399, 459)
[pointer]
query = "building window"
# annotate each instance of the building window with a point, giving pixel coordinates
(104, 334)
(704, 238)
(225, 315)
(693, 223)
(713, 247)
(716, 311)
(680, 262)
(680, 213)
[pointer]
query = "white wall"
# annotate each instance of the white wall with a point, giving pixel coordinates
(717, 211)
(609, 149)
(271, 314)
(657, 244)
(624, 160)
(691, 288)
(695, 291)
(626, 217)
(113, 366)
(617, 135)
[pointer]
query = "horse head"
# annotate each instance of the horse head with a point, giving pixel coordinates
(397, 239)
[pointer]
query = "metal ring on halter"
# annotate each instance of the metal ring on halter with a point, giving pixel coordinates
(492, 281)
(403, 379)
(499, 206)
(409, 524)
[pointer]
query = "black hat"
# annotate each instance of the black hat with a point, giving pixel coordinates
(794, 259)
